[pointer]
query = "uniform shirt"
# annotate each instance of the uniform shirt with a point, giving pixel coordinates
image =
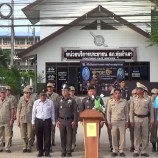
(88, 103)
(43, 110)
(5, 110)
(54, 96)
(13, 99)
(25, 110)
(78, 102)
(66, 108)
(117, 111)
(141, 106)
(125, 93)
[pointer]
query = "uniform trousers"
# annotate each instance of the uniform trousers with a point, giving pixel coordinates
(43, 135)
(74, 132)
(141, 134)
(66, 136)
(5, 128)
(131, 130)
(26, 135)
(53, 135)
(153, 134)
(109, 135)
(118, 127)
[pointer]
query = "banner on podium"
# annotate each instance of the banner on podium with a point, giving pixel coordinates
(91, 130)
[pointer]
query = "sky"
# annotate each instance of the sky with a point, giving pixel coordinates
(18, 5)
(118, 7)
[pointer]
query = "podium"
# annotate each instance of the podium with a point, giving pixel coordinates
(91, 120)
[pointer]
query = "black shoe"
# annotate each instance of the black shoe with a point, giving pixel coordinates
(132, 149)
(47, 155)
(135, 155)
(1, 150)
(24, 150)
(114, 154)
(29, 150)
(8, 151)
(145, 155)
(63, 154)
(39, 155)
(122, 154)
(69, 155)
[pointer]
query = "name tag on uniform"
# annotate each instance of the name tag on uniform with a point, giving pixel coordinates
(87, 101)
(61, 107)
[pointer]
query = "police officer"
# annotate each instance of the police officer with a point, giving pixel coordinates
(24, 119)
(106, 107)
(117, 117)
(153, 130)
(124, 90)
(78, 102)
(14, 101)
(6, 119)
(53, 96)
(88, 102)
(66, 119)
(141, 114)
(33, 97)
(131, 129)
(43, 117)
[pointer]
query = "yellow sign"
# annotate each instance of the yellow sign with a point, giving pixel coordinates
(91, 130)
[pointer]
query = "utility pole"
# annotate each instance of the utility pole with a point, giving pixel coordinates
(12, 35)
(33, 34)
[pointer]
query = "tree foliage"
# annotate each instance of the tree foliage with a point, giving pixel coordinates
(11, 77)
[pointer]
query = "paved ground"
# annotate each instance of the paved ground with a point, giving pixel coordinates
(79, 152)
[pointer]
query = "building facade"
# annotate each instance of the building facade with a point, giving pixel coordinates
(99, 35)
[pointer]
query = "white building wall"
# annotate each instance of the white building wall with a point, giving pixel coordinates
(74, 37)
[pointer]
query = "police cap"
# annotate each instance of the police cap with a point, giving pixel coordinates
(141, 86)
(154, 91)
(8, 88)
(65, 86)
(2, 89)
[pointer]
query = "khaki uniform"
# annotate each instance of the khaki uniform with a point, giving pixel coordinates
(131, 129)
(108, 129)
(13, 99)
(117, 115)
(54, 98)
(140, 109)
(25, 112)
(66, 114)
(74, 130)
(6, 106)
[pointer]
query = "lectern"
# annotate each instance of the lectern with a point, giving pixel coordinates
(91, 120)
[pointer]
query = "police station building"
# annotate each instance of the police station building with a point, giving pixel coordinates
(97, 36)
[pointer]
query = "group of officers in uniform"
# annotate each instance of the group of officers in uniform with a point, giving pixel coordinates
(40, 115)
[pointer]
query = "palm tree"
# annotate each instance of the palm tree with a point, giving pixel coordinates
(4, 57)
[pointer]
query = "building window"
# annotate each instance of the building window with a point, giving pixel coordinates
(137, 71)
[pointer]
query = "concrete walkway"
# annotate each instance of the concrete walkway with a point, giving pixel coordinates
(79, 152)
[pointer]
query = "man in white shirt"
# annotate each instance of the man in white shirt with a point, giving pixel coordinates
(43, 117)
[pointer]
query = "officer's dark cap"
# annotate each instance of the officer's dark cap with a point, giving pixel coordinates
(91, 87)
(43, 91)
(65, 86)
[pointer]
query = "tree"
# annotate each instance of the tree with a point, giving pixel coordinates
(4, 57)
(154, 25)
(11, 77)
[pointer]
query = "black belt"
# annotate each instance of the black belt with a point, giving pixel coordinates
(141, 116)
(43, 119)
(66, 118)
